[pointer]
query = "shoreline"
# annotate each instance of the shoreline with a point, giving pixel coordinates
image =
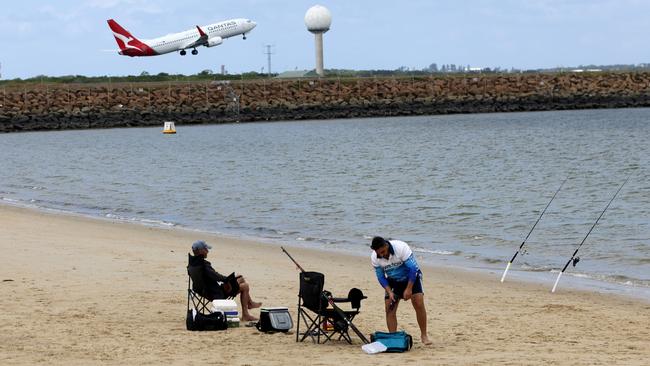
(571, 281)
(86, 291)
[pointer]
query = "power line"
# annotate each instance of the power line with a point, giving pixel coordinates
(268, 54)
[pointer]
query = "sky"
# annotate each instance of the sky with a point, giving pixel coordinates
(71, 37)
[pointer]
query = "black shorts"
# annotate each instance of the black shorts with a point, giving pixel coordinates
(399, 287)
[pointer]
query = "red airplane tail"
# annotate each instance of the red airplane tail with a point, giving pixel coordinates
(129, 45)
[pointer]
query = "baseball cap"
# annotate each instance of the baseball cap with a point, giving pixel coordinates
(200, 244)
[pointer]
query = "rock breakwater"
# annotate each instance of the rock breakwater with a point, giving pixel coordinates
(58, 107)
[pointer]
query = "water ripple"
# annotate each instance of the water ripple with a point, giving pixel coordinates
(466, 186)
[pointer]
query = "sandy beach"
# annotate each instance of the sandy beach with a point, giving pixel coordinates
(78, 290)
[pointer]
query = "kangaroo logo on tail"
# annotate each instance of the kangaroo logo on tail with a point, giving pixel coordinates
(129, 45)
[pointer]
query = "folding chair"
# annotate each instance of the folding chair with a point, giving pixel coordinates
(313, 311)
(195, 290)
(194, 286)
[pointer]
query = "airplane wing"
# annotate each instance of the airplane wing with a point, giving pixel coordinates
(201, 41)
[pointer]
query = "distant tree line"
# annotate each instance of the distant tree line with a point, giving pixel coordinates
(403, 71)
(452, 68)
(619, 67)
(205, 75)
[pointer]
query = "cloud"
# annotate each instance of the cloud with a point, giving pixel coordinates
(57, 14)
(128, 6)
(11, 27)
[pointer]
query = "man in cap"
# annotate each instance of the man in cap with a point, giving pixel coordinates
(211, 279)
(400, 276)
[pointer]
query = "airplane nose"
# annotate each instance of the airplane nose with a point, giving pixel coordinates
(253, 24)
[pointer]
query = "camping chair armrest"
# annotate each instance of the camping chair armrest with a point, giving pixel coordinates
(341, 299)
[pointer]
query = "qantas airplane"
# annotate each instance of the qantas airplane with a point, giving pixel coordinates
(208, 36)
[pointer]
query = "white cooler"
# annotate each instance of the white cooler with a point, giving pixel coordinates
(230, 310)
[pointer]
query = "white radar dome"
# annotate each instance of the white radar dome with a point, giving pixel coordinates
(318, 19)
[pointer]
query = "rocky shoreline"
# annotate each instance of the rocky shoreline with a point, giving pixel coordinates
(62, 107)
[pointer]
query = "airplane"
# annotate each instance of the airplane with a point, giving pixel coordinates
(208, 36)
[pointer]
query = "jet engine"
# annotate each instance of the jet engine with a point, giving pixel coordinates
(214, 41)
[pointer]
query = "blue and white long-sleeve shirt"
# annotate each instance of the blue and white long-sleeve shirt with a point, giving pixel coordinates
(400, 266)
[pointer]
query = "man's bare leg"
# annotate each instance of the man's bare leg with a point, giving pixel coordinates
(421, 314)
(245, 299)
(391, 316)
(251, 304)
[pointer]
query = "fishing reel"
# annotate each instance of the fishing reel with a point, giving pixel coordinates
(576, 260)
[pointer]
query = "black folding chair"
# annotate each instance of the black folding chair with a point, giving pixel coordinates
(318, 319)
(195, 289)
(194, 286)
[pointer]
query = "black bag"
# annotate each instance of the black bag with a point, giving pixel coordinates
(274, 320)
(213, 321)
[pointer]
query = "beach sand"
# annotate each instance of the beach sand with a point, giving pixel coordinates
(77, 290)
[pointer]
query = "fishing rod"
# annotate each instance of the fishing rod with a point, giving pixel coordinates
(530, 232)
(293, 260)
(575, 259)
(328, 297)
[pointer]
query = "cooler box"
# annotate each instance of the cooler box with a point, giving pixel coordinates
(276, 319)
(233, 322)
(228, 307)
(230, 310)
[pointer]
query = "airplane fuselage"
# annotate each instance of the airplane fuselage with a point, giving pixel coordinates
(208, 35)
(175, 41)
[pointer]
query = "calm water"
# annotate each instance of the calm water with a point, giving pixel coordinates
(464, 188)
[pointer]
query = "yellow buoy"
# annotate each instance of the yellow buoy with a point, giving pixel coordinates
(169, 128)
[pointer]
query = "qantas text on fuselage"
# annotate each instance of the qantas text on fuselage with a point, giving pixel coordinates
(209, 36)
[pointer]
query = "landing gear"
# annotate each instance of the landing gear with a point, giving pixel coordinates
(183, 53)
(195, 52)
(244, 35)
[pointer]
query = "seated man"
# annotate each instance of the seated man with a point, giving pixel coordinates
(211, 279)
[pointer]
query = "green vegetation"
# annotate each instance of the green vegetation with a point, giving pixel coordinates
(401, 72)
(205, 75)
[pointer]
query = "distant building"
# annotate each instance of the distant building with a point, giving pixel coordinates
(296, 74)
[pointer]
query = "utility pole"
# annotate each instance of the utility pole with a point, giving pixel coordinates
(268, 54)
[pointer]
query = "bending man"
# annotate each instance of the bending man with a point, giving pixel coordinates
(398, 273)
(211, 279)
